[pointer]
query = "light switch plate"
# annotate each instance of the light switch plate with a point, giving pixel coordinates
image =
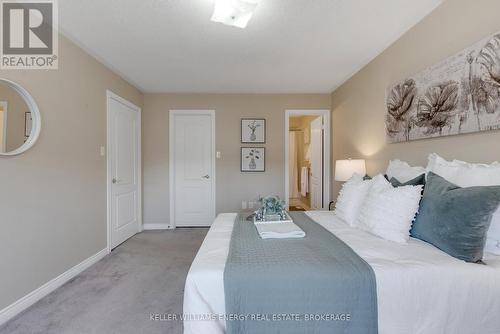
(102, 151)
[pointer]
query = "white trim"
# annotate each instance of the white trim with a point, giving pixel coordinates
(36, 118)
(20, 305)
(109, 176)
(326, 149)
(5, 108)
(172, 113)
(152, 227)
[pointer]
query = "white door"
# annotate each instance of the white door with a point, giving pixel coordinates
(192, 150)
(316, 148)
(124, 124)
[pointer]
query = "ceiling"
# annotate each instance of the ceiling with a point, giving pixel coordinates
(289, 46)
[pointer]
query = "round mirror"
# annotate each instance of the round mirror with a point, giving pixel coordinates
(19, 119)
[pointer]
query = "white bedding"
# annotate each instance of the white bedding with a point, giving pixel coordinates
(419, 288)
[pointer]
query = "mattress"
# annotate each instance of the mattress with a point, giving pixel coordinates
(420, 289)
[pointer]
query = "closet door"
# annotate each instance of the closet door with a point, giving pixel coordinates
(124, 124)
(192, 162)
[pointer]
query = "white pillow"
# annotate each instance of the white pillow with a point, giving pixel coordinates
(389, 212)
(446, 169)
(351, 198)
(492, 246)
(465, 174)
(402, 171)
(493, 236)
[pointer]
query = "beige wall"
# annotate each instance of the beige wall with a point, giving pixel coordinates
(16, 107)
(232, 185)
(359, 105)
(53, 197)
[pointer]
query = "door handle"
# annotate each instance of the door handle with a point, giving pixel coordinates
(115, 181)
(206, 176)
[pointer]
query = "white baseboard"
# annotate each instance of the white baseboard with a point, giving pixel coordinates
(20, 305)
(147, 227)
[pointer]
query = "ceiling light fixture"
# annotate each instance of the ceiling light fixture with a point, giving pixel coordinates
(235, 13)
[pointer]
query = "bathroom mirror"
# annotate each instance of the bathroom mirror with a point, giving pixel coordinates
(19, 119)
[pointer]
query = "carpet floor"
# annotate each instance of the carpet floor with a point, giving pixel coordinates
(143, 276)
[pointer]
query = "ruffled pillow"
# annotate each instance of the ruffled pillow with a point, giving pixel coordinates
(351, 198)
(388, 212)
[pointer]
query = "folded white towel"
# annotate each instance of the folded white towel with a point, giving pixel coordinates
(279, 231)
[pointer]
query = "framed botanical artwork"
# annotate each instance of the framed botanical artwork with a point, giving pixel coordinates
(456, 96)
(253, 159)
(253, 131)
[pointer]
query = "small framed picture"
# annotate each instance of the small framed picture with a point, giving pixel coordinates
(253, 159)
(253, 131)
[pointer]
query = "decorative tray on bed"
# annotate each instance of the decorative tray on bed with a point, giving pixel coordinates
(284, 217)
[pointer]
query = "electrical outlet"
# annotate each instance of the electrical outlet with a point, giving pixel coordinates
(250, 205)
(243, 204)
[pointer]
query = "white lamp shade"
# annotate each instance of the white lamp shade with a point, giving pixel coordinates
(345, 169)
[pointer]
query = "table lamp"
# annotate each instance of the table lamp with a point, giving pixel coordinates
(345, 169)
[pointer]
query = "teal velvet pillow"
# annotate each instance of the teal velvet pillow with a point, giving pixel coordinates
(419, 180)
(456, 219)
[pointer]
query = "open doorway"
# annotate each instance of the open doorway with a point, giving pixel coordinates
(307, 163)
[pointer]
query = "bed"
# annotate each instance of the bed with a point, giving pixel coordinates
(420, 289)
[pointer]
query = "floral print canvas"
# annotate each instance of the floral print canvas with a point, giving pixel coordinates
(459, 95)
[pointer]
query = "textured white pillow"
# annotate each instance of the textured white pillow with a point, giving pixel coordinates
(446, 169)
(389, 212)
(492, 246)
(402, 171)
(493, 235)
(351, 198)
(465, 174)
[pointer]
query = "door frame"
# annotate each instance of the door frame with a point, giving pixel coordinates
(171, 170)
(326, 149)
(110, 95)
(5, 107)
